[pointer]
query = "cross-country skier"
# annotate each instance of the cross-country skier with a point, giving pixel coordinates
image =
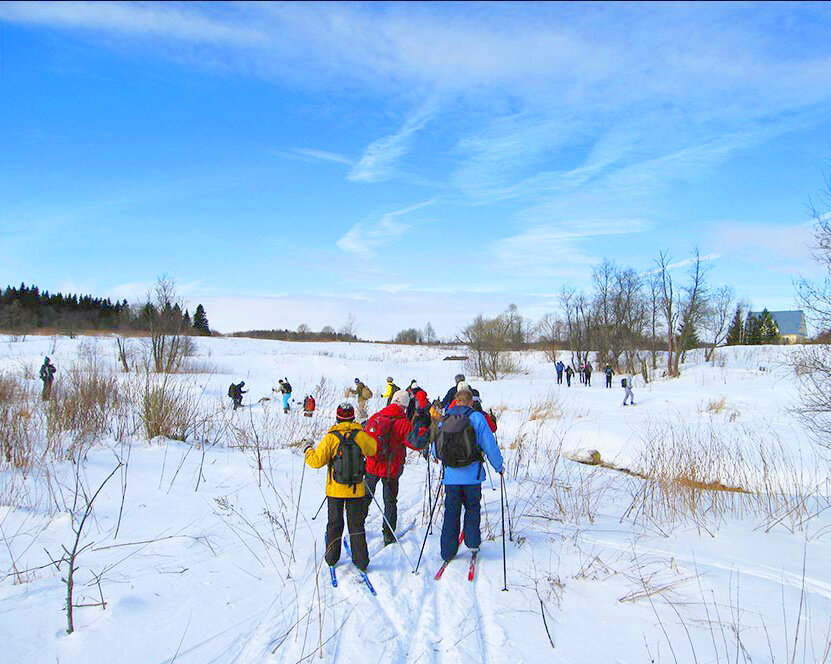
(343, 449)
(463, 438)
(47, 375)
(627, 385)
(609, 373)
(390, 428)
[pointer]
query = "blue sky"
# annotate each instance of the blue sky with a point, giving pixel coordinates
(294, 163)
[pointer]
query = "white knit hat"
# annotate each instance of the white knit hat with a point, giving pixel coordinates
(401, 398)
(463, 387)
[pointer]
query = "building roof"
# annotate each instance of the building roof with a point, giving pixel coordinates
(788, 322)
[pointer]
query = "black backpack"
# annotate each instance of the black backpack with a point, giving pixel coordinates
(348, 466)
(456, 443)
(232, 391)
(623, 382)
(286, 387)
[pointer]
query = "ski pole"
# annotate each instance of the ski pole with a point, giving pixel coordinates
(430, 521)
(504, 563)
(319, 508)
(429, 493)
(490, 477)
(297, 510)
(375, 500)
(510, 525)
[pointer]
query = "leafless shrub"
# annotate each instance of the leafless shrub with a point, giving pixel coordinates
(167, 407)
(812, 365)
(18, 433)
(84, 404)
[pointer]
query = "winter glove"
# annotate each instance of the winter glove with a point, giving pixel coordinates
(307, 445)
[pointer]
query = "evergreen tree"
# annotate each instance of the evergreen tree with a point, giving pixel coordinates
(751, 330)
(200, 321)
(735, 334)
(768, 329)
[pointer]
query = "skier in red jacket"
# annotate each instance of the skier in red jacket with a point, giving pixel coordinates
(389, 427)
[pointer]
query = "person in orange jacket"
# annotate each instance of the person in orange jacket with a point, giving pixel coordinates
(343, 450)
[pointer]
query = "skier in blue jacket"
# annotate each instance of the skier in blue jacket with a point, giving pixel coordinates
(463, 484)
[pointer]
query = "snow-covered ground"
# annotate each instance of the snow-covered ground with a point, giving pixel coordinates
(190, 543)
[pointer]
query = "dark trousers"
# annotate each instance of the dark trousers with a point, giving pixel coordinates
(608, 381)
(456, 496)
(334, 530)
(237, 402)
(568, 379)
(390, 490)
(588, 379)
(47, 390)
(559, 377)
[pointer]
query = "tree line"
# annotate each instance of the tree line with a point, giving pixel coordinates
(25, 309)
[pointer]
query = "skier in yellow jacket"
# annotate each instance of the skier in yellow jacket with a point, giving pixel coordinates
(390, 390)
(343, 449)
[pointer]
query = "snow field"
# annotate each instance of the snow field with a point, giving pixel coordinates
(201, 568)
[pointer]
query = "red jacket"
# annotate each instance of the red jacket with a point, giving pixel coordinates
(393, 466)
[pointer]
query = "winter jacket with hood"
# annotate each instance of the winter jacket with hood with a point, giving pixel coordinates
(325, 453)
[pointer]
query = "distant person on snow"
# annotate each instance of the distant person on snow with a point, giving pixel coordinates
(464, 436)
(569, 374)
(285, 390)
(609, 373)
(451, 393)
(343, 450)
(419, 408)
(47, 375)
(626, 383)
(559, 367)
(581, 369)
(362, 393)
(588, 374)
(309, 406)
(390, 390)
(236, 392)
(390, 428)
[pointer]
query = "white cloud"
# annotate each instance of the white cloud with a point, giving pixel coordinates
(322, 155)
(364, 239)
(380, 157)
(156, 20)
(556, 249)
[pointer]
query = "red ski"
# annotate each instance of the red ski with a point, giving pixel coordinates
(444, 564)
(472, 571)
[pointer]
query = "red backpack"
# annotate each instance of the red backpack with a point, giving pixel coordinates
(380, 427)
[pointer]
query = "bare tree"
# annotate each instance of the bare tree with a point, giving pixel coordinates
(429, 333)
(489, 341)
(162, 313)
(716, 318)
(691, 308)
(813, 363)
(350, 327)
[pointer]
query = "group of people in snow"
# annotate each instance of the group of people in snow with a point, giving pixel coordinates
(584, 371)
(361, 455)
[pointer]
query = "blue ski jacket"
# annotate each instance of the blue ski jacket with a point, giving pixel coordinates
(473, 473)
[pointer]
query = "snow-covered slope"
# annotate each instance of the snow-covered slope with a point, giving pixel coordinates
(602, 566)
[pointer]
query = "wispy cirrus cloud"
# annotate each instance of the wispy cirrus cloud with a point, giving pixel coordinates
(137, 19)
(365, 238)
(379, 160)
(558, 249)
(317, 155)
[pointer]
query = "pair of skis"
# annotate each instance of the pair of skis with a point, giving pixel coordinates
(471, 572)
(362, 574)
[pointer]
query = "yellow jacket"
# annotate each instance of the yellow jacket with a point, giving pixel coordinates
(326, 450)
(387, 392)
